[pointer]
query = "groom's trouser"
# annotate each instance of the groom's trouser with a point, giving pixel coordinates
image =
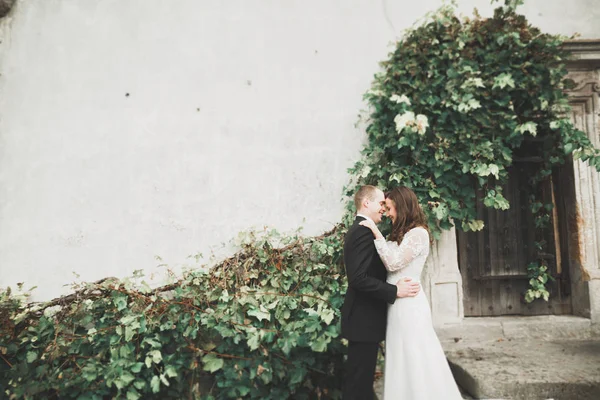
(360, 371)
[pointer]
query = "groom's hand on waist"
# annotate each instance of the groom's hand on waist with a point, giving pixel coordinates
(407, 288)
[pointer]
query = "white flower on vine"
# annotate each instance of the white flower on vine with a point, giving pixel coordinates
(400, 99)
(422, 124)
(404, 120)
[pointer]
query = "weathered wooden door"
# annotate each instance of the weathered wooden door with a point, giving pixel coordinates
(493, 262)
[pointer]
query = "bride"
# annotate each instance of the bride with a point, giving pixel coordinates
(415, 364)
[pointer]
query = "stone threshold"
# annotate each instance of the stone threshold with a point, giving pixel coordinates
(518, 327)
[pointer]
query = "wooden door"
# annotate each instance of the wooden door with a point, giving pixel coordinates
(493, 262)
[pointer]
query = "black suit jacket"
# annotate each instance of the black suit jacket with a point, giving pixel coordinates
(364, 313)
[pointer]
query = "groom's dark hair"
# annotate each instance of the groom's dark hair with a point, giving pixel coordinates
(365, 192)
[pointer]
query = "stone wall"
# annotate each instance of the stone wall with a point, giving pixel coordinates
(585, 100)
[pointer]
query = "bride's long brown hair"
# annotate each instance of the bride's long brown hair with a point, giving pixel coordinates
(409, 213)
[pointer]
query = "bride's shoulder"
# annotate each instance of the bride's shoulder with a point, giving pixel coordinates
(418, 231)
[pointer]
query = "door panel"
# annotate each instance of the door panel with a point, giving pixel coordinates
(493, 262)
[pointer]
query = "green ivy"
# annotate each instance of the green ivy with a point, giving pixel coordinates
(539, 276)
(262, 324)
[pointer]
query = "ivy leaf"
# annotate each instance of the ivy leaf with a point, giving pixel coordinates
(433, 194)
(501, 203)
(137, 367)
(127, 378)
(224, 296)
(489, 201)
(31, 356)
(155, 384)
(471, 104)
(320, 345)
(212, 363)
(164, 380)
(260, 315)
(494, 199)
(327, 315)
(473, 82)
(440, 211)
(297, 375)
(153, 356)
(494, 170)
(124, 379)
(311, 312)
(128, 319)
(568, 148)
(397, 177)
(530, 127)
(89, 372)
(170, 371)
(481, 169)
(475, 225)
(503, 80)
(120, 301)
(404, 142)
(289, 343)
(129, 333)
(254, 342)
(529, 297)
(132, 394)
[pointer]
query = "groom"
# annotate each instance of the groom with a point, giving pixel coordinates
(364, 313)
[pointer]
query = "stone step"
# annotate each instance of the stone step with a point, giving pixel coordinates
(518, 327)
(528, 369)
(533, 358)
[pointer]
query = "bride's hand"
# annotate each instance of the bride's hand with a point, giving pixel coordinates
(369, 224)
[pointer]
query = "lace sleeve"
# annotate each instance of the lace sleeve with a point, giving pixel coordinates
(396, 257)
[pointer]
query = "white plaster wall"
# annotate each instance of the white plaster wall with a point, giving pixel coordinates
(239, 114)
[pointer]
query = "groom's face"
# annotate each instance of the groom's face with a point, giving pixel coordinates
(376, 207)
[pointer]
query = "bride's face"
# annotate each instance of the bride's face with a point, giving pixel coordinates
(390, 209)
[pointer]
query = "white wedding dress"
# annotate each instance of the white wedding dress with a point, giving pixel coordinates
(415, 365)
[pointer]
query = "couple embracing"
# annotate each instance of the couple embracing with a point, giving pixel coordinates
(384, 301)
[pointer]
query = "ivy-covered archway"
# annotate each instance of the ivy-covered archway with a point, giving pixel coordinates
(454, 103)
